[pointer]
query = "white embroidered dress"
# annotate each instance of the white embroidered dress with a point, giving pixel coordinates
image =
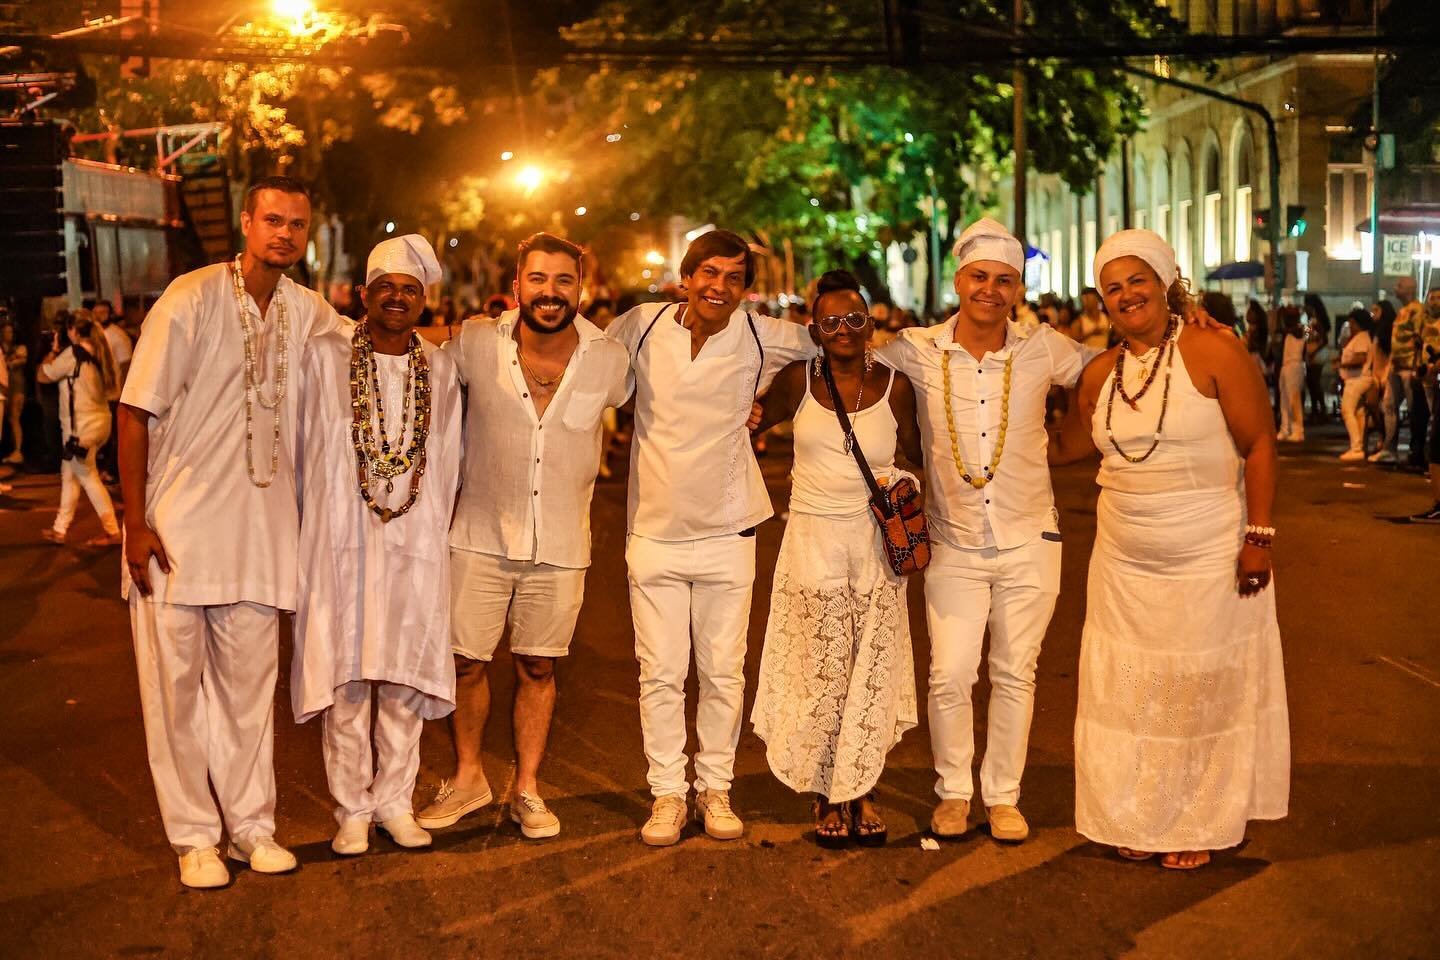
(837, 677)
(1181, 732)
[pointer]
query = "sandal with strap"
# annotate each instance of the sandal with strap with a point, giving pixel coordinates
(871, 831)
(1136, 855)
(831, 830)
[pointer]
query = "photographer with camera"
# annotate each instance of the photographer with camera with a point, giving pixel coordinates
(80, 361)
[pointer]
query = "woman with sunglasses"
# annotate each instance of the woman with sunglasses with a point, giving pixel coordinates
(837, 680)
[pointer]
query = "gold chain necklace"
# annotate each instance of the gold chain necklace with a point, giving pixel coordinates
(539, 381)
(376, 457)
(252, 377)
(978, 482)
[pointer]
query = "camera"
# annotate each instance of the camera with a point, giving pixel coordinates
(73, 449)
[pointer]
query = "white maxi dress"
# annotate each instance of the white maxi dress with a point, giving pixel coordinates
(1182, 731)
(837, 676)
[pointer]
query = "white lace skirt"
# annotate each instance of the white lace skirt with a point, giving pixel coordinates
(837, 677)
(1182, 732)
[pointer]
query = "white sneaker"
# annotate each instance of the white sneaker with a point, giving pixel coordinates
(353, 837)
(1350, 456)
(1381, 456)
(713, 808)
(535, 819)
(264, 856)
(203, 869)
(406, 832)
(667, 818)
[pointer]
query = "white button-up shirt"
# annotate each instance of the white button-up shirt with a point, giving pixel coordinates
(227, 539)
(1017, 506)
(692, 470)
(527, 481)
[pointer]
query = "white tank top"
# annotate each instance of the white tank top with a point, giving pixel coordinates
(826, 479)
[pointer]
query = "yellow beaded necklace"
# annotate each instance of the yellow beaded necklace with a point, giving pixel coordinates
(974, 481)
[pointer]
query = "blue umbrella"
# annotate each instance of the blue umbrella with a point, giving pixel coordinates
(1240, 270)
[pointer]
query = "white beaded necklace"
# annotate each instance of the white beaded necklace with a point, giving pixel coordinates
(253, 379)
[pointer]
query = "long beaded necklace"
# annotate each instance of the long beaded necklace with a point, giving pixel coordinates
(974, 481)
(817, 371)
(253, 378)
(374, 454)
(1164, 397)
(1150, 378)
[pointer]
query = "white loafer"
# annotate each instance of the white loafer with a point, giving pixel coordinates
(203, 869)
(353, 837)
(406, 832)
(264, 856)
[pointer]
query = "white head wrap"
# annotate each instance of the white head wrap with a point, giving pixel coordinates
(986, 239)
(410, 255)
(1145, 244)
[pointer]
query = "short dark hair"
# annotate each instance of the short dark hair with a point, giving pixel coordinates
(283, 184)
(1219, 306)
(832, 281)
(548, 243)
(1094, 292)
(718, 243)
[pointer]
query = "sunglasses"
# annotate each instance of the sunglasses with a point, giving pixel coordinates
(830, 324)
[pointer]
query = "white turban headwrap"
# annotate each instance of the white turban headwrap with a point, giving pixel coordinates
(410, 255)
(1145, 244)
(986, 239)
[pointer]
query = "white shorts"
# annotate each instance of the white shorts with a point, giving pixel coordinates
(540, 602)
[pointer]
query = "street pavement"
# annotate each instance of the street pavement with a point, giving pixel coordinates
(1354, 871)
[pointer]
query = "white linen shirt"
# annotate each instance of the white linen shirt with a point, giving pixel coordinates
(227, 539)
(92, 413)
(1018, 505)
(692, 470)
(528, 480)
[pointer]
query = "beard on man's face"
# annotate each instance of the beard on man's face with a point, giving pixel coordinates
(566, 316)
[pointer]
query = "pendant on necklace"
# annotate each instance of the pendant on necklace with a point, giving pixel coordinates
(1133, 404)
(849, 441)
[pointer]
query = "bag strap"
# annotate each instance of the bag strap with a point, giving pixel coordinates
(877, 495)
(760, 371)
(658, 314)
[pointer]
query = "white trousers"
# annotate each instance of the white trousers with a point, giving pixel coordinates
(1292, 415)
(207, 693)
(373, 777)
(691, 593)
(1352, 410)
(77, 475)
(1013, 591)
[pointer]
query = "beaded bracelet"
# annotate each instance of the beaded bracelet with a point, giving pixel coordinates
(1263, 531)
(1257, 540)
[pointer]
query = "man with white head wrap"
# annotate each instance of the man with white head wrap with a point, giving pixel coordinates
(981, 381)
(372, 629)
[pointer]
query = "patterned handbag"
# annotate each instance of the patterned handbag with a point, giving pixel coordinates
(903, 528)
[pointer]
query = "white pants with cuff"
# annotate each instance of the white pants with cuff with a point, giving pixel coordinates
(77, 475)
(684, 594)
(207, 694)
(1352, 410)
(1013, 591)
(373, 777)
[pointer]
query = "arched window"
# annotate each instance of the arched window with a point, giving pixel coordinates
(1141, 205)
(1212, 230)
(1160, 194)
(1244, 205)
(1182, 189)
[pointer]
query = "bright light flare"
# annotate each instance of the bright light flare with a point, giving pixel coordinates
(655, 257)
(581, 211)
(529, 178)
(298, 13)
(389, 226)
(507, 155)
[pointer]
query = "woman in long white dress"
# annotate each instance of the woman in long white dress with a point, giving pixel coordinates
(1182, 732)
(837, 678)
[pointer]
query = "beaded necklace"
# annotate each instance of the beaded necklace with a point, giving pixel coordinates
(374, 455)
(1150, 378)
(252, 376)
(1164, 396)
(978, 482)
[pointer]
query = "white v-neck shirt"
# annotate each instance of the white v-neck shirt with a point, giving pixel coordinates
(692, 470)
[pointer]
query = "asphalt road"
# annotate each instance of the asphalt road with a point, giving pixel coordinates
(1353, 871)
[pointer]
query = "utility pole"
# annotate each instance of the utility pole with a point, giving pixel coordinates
(1377, 241)
(1018, 82)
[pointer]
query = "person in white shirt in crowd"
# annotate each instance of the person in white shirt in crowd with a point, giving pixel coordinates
(538, 378)
(1357, 359)
(837, 680)
(1382, 332)
(1292, 377)
(13, 357)
(372, 628)
(207, 469)
(85, 371)
(121, 348)
(981, 380)
(1092, 327)
(696, 495)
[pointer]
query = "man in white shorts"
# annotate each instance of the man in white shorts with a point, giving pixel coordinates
(538, 380)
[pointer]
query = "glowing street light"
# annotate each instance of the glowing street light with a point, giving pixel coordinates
(529, 178)
(507, 155)
(581, 211)
(655, 257)
(389, 226)
(298, 12)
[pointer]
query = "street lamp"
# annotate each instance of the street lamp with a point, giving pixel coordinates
(297, 12)
(529, 178)
(655, 257)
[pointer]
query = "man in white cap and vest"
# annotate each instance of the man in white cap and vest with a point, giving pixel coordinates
(981, 380)
(207, 467)
(380, 463)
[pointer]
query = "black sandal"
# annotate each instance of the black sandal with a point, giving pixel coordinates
(831, 835)
(868, 833)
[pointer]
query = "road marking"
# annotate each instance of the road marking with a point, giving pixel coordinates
(1412, 670)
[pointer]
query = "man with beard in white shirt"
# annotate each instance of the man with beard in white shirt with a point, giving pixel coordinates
(380, 412)
(981, 382)
(696, 495)
(207, 467)
(538, 380)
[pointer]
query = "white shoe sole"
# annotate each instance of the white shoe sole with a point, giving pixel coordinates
(535, 833)
(667, 840)
(432, 823)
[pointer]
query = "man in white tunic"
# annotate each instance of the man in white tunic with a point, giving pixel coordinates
(207, 458)
(380, 455)
(696, 495)
(538, 380)
(981, 383)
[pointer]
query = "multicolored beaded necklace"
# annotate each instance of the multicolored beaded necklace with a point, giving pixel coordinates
(1115, 386)
(373, 452)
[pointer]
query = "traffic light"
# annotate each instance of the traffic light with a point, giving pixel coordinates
(32, 231)
(1295, 225)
